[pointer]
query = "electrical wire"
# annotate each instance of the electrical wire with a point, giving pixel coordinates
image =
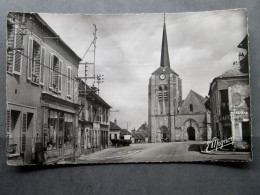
(43, 65)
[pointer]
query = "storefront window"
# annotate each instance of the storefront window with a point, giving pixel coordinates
(53, 128)
(68, 131)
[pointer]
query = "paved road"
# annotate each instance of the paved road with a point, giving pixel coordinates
(156, 152)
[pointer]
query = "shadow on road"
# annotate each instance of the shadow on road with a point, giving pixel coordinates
(194, 147)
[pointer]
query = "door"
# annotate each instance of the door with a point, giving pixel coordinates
(246, 131)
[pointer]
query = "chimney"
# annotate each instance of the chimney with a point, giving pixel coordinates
(115, 121)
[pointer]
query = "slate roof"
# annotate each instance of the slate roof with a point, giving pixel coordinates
(138, 136)
(141, 133)
(114, 126)
(165, 60)
(201, 98)
(166, 70)
(232, 72)
(143, 130)
(124, 132)
(91, 94)
(165, 66)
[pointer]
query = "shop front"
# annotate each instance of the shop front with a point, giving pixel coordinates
(59, 130)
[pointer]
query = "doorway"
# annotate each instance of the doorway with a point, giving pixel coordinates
(191, 133)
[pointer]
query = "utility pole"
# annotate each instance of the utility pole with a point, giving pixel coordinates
(97, 78)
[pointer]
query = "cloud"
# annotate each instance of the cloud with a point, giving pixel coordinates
(202, 45)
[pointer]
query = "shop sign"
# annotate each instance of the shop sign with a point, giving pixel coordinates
(223, 118)
(240, 115)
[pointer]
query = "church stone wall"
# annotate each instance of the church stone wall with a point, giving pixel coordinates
(197, 121)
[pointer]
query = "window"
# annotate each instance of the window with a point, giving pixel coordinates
(35, 55)
(14, 48)
(191, 108)
(55, 84)
(36, 61)
(55, 79)
(224, 106)
(68, 134)
(53, 130)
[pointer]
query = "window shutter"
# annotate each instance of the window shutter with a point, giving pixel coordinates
(10, 44)
(8, 126)
(42, 65)
(24, 128)
(59, 79)
(71, 82)
(18, 55)
(30, 56)
(67, 73)
(51, 71)
(68, 81)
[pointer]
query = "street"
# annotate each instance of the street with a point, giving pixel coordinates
(157, 152)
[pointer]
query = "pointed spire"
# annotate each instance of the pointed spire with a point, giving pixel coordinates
(165, 61)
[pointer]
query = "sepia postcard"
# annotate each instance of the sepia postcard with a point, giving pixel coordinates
(127, 88)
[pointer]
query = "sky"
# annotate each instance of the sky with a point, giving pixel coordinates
(202, 45)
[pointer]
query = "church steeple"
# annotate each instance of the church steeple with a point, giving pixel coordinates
(165, 61)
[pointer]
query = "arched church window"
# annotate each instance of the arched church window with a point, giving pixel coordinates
(191, 108)
(160, 88)
(165, 88)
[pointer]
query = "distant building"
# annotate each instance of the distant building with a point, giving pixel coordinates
(93, 121)
(141, 134)
(41, 92)
(117, 132)
(230, 102)
(169, 117)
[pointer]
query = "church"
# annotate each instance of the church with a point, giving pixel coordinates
(170, 118)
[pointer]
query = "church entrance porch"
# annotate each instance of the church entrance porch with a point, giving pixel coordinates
(190, 130)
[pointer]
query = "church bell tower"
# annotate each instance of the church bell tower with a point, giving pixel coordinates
(165, 93)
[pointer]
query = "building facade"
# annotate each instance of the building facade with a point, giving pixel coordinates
(169, 117)
(93, 121)
(230, 103)
(192, 119)
(41, 92)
